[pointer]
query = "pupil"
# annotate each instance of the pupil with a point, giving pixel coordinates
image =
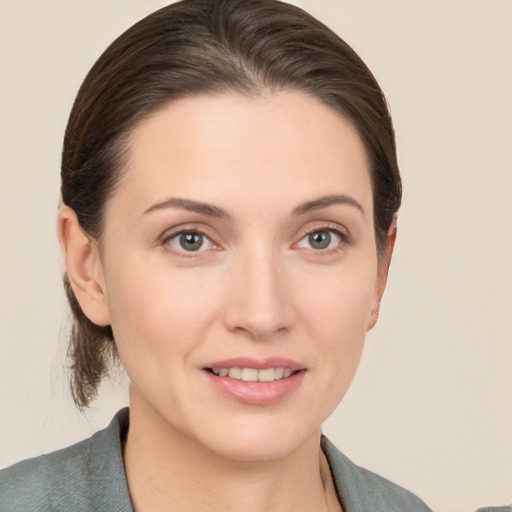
(320, 239)
(191, 241)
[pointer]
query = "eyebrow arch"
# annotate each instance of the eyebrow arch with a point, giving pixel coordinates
(192, 206)
(324, 202)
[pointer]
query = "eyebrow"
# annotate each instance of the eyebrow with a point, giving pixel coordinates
(215, 211)
(192, 206)
(324, 202)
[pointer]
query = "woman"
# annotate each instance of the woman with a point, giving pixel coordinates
(229, 192)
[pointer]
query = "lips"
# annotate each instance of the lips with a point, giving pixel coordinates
(255, 382)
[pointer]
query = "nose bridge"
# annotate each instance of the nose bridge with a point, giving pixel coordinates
(261, 303)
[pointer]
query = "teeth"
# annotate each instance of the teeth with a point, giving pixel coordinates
(266, 375)
(235, 373)
(249, 375)
(254, 375)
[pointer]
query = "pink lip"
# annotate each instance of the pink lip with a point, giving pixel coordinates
(258, 364)
(256, 393)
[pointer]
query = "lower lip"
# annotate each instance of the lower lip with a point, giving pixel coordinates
(256, 393)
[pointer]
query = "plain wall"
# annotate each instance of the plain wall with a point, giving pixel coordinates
(431, 407)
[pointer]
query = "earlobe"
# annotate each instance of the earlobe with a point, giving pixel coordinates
(83, 264)
(382, 276)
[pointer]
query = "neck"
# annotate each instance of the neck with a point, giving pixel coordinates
(167, 470)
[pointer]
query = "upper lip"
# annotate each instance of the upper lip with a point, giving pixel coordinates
(258, 364)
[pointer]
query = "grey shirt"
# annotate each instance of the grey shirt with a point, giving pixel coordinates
(89, 477)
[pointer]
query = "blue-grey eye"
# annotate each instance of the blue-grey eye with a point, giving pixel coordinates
(190, 241)
(320, 240)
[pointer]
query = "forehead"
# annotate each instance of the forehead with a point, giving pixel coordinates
(225, 147)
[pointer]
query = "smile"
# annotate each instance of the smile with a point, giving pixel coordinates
(255, 381)
(253, 374)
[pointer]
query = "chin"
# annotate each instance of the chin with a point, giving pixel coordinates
(252, 440)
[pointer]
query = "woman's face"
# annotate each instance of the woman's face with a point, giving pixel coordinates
(241, 241)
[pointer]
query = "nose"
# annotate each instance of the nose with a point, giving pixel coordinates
(260, 303)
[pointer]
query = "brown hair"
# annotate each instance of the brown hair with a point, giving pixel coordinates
(207, 46)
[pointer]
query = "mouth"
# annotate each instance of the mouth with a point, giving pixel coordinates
(256, 382)
(253, 374)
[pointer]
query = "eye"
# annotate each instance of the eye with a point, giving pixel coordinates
(321, 239)
(189, 241)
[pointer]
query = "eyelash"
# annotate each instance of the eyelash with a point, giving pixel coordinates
(344, 237)
(182, 252)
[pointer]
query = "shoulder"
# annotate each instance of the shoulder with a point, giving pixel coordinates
(84, 477)
(361, 490)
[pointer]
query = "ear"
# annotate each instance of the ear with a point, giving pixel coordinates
(83, 264)
(382, 275)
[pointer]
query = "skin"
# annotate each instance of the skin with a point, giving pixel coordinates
(256, 288)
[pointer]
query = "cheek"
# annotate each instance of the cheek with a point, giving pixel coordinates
(157, 313)
(340, 302)
(337, 312)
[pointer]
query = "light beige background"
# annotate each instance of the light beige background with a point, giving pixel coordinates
(431, 407)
